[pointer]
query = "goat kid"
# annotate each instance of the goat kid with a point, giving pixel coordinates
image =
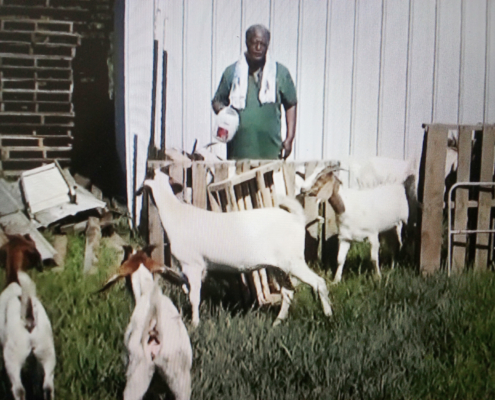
(156, 338)
(361, 213)
(24, 327)
(244, 241)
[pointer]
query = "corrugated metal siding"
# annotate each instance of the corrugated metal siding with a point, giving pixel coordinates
(368, 72)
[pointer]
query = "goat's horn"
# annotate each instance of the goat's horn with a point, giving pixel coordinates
(109, 283)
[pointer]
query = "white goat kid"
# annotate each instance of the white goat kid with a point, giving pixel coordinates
(25, 329)
(156, 339)
(238, 241)
(361, 213)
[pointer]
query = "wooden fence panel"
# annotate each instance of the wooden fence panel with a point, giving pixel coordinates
(431, 226)
(485, 198)
(461, 199)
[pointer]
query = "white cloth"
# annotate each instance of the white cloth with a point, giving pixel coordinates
(238, 91)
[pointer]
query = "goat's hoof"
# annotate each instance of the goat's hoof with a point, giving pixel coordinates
(277, 322)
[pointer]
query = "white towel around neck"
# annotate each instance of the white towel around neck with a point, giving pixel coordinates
(238, 91)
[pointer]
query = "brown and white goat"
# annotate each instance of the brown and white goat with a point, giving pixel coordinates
(24, 327)
(156, 338)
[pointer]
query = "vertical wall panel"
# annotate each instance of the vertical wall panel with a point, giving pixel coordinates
(472, 87)
(490, 65)
(366, 79)
(174, 18)
(311, 73)
(447, 64)
(255, 12)
(393, 83)
(420, 74)
(283, 45)
(339, 79)
(197, 70)
(138, 77)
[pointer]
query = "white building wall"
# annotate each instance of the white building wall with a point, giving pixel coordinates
(369, 73)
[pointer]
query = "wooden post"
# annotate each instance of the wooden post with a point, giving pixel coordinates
(485, 198)
(199, 185)
(459, 242)
(155, 232)
(434, 186)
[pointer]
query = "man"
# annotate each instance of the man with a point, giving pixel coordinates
(256, 87)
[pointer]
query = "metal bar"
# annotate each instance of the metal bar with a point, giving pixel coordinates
(449, 216)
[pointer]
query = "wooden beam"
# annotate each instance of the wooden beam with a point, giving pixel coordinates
(485, 198)
(434, 186)
(461, 199)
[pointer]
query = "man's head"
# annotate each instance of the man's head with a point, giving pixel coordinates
(257, 42)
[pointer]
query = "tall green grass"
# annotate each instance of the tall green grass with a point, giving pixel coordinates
(401, 337)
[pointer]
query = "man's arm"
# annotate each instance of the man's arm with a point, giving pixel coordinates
(290, 120)
(217, 105)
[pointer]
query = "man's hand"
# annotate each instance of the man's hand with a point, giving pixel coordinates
(286, 149)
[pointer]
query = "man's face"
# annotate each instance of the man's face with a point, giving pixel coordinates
(257, 46)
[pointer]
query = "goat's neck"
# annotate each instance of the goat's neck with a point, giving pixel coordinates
(337, 203)
(169, 207)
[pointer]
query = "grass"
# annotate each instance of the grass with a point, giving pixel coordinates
(403, 337)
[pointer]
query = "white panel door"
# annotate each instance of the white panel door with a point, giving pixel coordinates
(489, 117)
(420, 74)
(174, 45)
(366, 79)
(393, 79)
(338, 91)
(472, 87)
(310, 83)
(447, 63)
(197, 73)
(283, 44)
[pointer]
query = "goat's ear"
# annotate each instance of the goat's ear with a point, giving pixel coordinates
(302, 175)
(176, 186)
(127, 252)
(327, 190)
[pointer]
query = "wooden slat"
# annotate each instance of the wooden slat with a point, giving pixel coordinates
(289, 170)
(155, 231)
(485, 198)
(461, 199)
(431, 226)
(199, 185)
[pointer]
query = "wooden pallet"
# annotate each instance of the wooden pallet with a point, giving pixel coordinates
(472, 207)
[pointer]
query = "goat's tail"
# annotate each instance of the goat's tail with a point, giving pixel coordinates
(293, 206)
(28, 293)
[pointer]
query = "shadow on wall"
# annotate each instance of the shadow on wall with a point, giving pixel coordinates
(94, 153)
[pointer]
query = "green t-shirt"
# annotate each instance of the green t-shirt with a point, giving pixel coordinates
(258, 136)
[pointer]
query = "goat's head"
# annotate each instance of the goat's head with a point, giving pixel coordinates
(20, 255)
(324, 185)
(134, 259)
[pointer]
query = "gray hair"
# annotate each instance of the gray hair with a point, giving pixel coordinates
(258, 28)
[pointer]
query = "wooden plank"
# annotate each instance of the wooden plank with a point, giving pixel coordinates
(485, 198)
(289, 172)
(155, 232)
(265, 194)
(199, 185)
(431, 226)
(461, 200)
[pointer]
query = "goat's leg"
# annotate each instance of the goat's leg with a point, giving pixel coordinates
(46, 356)
(375, 247)
(139, 374)
(302, 272)
(344, 247)
(14, 357)
(287, 296)
(178, 378)
(398, 229)
(194, 275)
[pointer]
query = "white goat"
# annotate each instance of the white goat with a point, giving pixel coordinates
(238, 241)
(25, 329)
(156, 338)
(361, 213)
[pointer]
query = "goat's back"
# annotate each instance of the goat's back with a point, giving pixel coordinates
(370, 211)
